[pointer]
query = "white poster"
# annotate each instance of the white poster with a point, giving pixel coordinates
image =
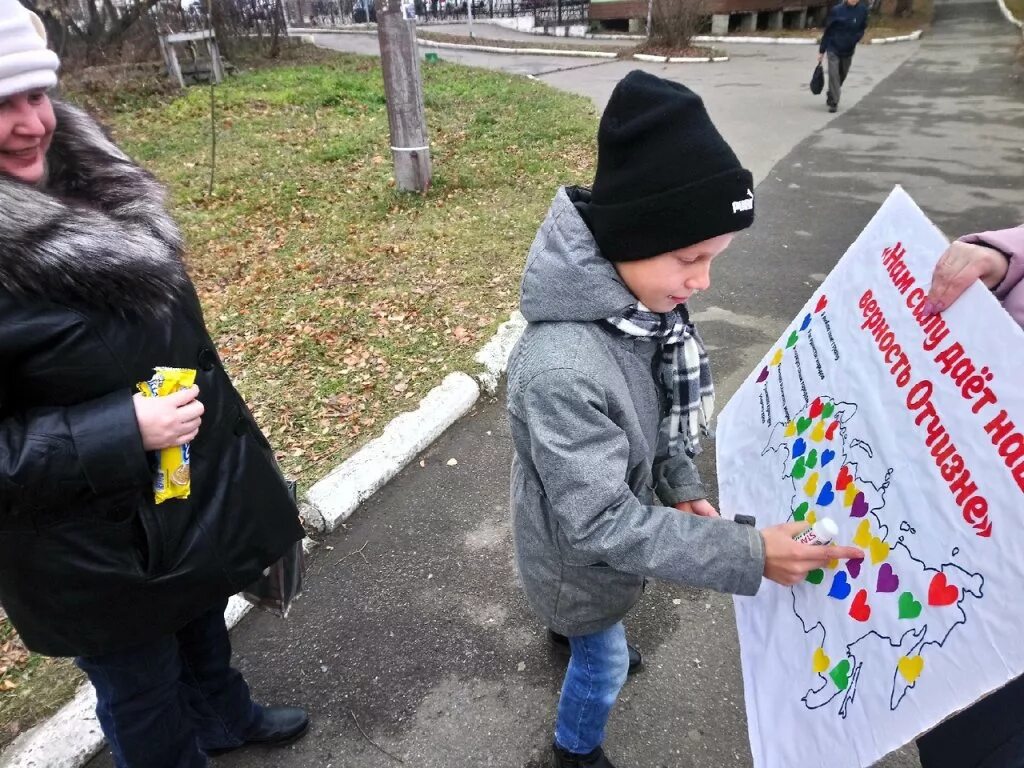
(905, 431)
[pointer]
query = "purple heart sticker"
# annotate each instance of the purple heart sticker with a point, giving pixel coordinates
(888, 581)
(853, 566)
(860, 507)
(763, 375)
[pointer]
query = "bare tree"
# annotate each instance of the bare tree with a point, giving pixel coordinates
(675, 22)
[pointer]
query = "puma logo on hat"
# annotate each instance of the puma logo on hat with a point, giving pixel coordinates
(746, 204)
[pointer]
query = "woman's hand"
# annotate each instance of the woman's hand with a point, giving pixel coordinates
(170, 420)
(698, 507)
(788, 562)
(958, 268)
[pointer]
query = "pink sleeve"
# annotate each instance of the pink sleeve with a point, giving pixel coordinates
(1011, 290)
(1011, 243)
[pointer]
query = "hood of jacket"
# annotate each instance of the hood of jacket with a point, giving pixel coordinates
(95, 233)
(566, 278)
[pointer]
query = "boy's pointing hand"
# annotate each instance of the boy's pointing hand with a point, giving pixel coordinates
(788, 562)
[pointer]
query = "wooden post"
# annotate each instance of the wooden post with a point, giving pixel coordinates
(403, 90)
(171, 57)
(215, 63)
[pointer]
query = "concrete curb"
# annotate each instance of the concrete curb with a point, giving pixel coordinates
(1009, 16)
(519, 51)
(359, 477)
(765, 40)
(678, 59)
(494, 354)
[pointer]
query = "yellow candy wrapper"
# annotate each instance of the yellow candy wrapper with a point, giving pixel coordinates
(172, 478)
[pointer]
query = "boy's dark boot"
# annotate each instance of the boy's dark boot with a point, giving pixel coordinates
(636, 659)
(595, 759)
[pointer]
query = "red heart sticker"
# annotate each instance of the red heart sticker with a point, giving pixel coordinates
(822, 303)
(844, 478)
(815, 408)
(860, 610)
(940, 592)
(831, 431)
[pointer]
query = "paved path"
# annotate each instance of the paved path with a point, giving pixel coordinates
(412, 624)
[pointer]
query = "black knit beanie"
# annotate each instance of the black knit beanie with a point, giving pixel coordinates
(665, 177)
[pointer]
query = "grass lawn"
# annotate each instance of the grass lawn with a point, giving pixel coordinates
(31, 686)
(1016, 8)
(337, 302)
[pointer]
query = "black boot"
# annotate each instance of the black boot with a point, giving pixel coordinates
(636, 660)
(595, 759)
(278, 727)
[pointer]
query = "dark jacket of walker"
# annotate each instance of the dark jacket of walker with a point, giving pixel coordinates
(844, 28)
(93, 296)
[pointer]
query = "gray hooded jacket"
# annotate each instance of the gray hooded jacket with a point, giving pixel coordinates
(585, 410)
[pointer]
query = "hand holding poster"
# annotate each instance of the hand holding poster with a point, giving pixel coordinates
(902, 429)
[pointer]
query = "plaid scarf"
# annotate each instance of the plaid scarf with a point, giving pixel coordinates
(683, 369)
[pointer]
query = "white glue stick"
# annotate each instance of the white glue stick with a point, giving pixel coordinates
(821, 533)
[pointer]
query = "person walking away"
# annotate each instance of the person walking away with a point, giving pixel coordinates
(844, 27)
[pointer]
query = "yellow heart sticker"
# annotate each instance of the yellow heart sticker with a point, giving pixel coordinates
(849, 495)
(778, 357)
(879, 550)
(909, 666)
(862, 538)
(811, 486)
(821, 662)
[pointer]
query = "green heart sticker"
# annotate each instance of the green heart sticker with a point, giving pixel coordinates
(909, 607)
(816, 576)
(840, 674)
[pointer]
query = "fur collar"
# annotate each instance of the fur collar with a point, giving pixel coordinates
(95, 234)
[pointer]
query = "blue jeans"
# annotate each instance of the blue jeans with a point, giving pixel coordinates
(592, 683)
(163, 703)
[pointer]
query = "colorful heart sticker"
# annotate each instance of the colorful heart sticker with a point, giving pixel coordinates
(941, 593)
(777, 357)
(762, 376)
(850, 495)
(799, 468)
(800, 512)
(812, 458)
(844, 479)
(862, 537)
(860, 610)
(910, 667)
(879, 550)
(799, 447)
(811, 486)
(827, 456)
(888, 579)
(793, 338)
(790, 429)
(860, 506)
(818, 433)
(828, 409)
(826, 496)
(805, 323)
(853, 566)
(830, 433)
(812, 517)
(822, 303)
(802, 424)
(816, 576)
(840, 674)
(840, 588)
(909, 608)
(816, 408)
(820, 662)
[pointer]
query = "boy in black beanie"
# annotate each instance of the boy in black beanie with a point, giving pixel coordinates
(609, 392)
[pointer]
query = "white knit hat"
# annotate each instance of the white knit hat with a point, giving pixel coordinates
(25, 62)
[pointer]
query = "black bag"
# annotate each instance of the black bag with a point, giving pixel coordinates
(817, 80)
